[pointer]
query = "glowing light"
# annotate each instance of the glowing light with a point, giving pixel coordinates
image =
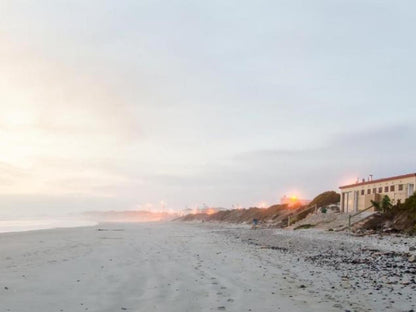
(163, 205)
(292, 200)
(348, 179)
(210, 211)
(148, 206)
(262, 204)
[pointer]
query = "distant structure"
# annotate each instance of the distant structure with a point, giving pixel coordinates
(358, 196)
(203, 209)
(292, 200)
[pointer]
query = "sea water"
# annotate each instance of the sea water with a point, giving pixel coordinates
(19, 225)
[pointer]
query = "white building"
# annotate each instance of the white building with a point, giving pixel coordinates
(358, 196)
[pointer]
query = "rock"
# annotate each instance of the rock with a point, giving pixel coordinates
(412, 258)
(6, 288)
(412, 248)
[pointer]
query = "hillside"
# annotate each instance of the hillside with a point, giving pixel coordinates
(274, 216)
(325, 199)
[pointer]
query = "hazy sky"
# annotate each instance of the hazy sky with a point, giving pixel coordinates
(124, 104)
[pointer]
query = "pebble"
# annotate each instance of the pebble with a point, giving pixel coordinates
(359, 264)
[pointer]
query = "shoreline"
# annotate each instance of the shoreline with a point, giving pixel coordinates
(30, 225)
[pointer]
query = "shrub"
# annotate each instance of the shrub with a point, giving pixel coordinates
(326, 199)
(384, 206)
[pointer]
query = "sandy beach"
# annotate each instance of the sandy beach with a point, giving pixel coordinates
(184, 267)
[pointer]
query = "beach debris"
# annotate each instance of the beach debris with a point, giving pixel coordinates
(371, 264)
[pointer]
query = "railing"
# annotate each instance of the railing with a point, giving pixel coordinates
(292, 217)
(356, 214)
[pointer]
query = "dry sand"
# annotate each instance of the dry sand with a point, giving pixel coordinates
(165, 267)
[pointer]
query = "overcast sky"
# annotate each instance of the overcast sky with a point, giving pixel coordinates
(135, 104)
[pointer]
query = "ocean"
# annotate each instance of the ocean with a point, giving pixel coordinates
(19, 225)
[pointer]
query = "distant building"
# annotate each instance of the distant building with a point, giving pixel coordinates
(203, 209)
(358, 196)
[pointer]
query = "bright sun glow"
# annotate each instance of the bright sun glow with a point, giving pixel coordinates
(262, 204)
(211, 211)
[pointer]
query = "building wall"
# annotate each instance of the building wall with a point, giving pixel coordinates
(363, 193)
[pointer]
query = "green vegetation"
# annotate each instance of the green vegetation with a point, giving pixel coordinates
(400, 217)
(325, 199)
(405, 215)
(384, 206)
(409, 204)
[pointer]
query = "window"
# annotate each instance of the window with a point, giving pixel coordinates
(369, 191)
(386, 189)
(400, 187)
(362, 192)
(391, 188)
(374, 190)
(380, 189)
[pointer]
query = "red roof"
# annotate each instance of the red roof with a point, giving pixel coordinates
(380, 180)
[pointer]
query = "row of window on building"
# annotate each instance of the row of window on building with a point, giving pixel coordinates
(386, 189)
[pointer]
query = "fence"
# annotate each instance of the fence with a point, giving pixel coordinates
(356, 214)
(292, 218)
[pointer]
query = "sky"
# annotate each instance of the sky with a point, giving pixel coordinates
(108, 104)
